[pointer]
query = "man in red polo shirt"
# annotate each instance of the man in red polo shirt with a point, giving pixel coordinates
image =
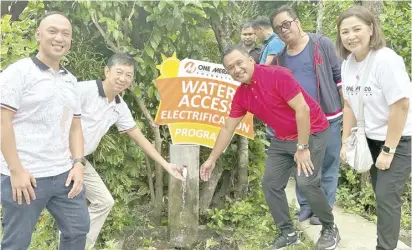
(273, 95)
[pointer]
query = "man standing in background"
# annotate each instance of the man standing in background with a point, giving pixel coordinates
(271, 42)
(248, 41)
(312, 59)
(271, 46)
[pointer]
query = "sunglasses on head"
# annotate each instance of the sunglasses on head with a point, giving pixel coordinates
(284, 25)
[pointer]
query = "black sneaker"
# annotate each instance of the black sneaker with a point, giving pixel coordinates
(329, 238)
(285, 240)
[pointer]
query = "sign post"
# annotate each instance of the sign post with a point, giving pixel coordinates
(195, 99)
(184, 197)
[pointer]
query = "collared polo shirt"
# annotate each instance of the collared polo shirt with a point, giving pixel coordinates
(267, 97)
(98, 115)
(253, 52)
(44, 102)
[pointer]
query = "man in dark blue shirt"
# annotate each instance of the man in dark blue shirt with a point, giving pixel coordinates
(314, 63)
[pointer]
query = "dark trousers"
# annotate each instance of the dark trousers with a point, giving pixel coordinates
(279, 166)
(388, 186)
(71, 215)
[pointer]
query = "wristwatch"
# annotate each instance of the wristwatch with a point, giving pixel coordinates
(82, 160)
(388, 150)
(302, 146)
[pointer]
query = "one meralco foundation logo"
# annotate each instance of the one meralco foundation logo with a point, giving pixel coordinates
(190, 67)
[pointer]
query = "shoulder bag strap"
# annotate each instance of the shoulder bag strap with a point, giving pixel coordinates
(363, 78)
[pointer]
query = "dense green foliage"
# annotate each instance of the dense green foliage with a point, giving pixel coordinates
(148, 29)
(394, 20)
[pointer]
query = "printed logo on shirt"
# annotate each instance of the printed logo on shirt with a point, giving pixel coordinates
(69, 81)
(351, 90)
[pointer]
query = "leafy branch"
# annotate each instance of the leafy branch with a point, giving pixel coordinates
(109, 42)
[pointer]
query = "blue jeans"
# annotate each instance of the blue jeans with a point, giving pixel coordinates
(71, 215)
(330, 167)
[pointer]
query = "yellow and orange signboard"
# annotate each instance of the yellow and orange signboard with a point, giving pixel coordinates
(195, 100)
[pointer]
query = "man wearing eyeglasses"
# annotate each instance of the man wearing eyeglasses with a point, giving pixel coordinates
(271, 42)
(315, 65)
(248, 41)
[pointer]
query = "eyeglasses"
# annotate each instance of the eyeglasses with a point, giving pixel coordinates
(285, 25)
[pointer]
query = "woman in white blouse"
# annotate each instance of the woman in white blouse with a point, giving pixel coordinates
(387, 112)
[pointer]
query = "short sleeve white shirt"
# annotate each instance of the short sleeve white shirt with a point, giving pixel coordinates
(387, 83)
(98, 115)
(44, 102)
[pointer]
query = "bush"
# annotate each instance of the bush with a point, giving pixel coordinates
(358, 197)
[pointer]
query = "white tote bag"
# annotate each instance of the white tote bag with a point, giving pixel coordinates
(358, 155)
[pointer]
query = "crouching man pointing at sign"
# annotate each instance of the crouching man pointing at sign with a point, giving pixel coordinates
(274, 96)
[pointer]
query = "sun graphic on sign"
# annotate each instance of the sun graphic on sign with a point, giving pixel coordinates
(169, 66)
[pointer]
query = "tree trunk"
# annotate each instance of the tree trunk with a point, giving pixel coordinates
(157, 213)
(243, 164)
(208, 190)
(222, 32)
(222, 35)
(219, 199)
(232, 181)
(150, 180)
(376, 7)
(319, 20)
(158, 169)
(14, 8)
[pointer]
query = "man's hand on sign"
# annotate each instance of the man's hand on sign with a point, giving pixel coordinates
(206, 170)
(175, 171)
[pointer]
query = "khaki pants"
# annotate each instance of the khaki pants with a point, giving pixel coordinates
(101, 202)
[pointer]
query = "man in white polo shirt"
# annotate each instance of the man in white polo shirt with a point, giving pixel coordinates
(102, 106)
(42, 143)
